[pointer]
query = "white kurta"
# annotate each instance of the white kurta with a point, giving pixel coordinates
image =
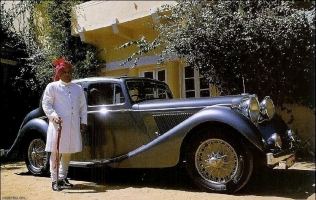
(67, 101)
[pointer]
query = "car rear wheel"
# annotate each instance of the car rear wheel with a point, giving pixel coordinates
(36, 158)
(219, 162)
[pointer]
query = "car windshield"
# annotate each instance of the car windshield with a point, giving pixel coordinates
(143, 90)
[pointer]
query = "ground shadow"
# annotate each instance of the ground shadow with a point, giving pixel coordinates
(86, 188)
(291, 183)
(171, 178)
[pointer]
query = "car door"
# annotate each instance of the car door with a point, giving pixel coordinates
(111, 129)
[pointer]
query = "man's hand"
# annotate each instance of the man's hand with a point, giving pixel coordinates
(83, 128)
(57, 120)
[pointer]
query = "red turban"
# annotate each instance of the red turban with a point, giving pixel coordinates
(60, 64)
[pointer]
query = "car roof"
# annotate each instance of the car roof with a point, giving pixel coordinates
(113, 78)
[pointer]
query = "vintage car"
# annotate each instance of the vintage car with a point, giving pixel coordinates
(135, 122)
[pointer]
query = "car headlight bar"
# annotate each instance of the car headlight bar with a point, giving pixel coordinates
(256, 112)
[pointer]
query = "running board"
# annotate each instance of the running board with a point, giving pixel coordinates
(98, 163)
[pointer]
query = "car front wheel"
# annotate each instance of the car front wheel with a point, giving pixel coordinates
(218, 161)
(36, 158)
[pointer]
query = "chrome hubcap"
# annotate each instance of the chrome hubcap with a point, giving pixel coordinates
(216, 161)
(36, 153)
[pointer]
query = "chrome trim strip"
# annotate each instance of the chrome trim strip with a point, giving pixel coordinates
(107, 105)
(80, 164)
(175, 108)
(113, 111)
(184, 108)
(160, 109)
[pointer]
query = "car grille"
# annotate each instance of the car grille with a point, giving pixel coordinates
(165, 122)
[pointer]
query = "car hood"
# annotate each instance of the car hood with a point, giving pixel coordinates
(188, 102)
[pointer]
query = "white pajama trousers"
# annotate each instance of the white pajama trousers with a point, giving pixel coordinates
(63, 165)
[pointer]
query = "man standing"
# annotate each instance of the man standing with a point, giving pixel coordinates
(64, 103)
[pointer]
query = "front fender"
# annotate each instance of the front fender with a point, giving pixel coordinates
(32, 127)
(165, 150)
(235, 120)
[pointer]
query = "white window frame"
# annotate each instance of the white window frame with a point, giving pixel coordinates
(155, 73)
(196, 78)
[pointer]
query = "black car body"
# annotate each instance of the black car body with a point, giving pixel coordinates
(135, 122)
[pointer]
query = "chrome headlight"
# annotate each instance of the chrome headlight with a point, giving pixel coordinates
(267, 109)
(275, 141)
(250, 108)
(293, 137)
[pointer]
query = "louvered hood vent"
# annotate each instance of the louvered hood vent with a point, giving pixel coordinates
(165, 122)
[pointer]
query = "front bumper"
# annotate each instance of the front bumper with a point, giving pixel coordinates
(285, 158)
(286, 161)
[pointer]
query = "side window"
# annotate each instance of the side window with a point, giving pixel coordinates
(119, 96)
(104, 94)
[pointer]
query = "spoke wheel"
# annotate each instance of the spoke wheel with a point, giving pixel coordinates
(218, 161)
(36, 158)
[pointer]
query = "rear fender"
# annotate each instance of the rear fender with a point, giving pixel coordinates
(32, 127)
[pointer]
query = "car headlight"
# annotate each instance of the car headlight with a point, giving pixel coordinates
(267, 109)
(250, 108)
(275, 141)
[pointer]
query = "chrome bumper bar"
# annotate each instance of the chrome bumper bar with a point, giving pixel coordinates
(271, 160)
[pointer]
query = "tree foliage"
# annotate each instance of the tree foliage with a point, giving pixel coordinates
(44, 28)
(271, 44)
(35, 47)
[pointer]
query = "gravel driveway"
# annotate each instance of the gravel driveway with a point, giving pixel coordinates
(297, 182)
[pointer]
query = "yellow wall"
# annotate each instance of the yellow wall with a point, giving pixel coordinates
(130, 18)
(109, 24)
(303, 124)
(94, 15)
(173, 77)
